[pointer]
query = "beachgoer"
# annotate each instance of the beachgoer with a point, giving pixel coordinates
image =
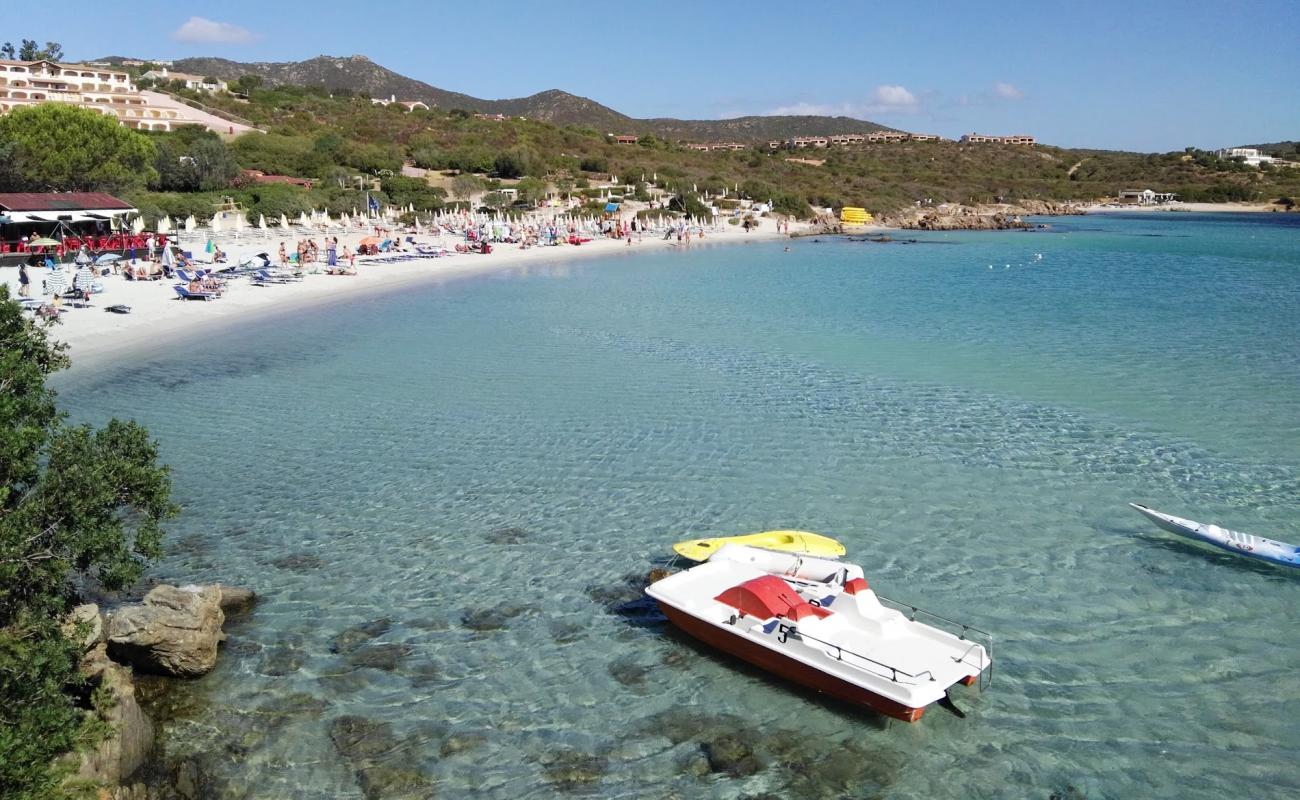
(149, 245)
(24, 281)
(284, 256)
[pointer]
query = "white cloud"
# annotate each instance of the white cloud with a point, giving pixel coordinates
(198, 29)
(894, 96)
(1007, 92)
(884, 99)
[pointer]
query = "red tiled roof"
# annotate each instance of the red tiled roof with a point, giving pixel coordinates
(67, 201)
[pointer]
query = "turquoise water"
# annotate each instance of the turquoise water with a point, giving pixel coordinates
(970, 418)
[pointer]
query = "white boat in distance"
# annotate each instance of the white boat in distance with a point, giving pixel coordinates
(1233, 541)
(815, 621)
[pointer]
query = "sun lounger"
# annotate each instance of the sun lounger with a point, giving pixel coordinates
(184, 293)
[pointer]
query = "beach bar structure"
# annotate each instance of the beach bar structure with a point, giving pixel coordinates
(75, 218)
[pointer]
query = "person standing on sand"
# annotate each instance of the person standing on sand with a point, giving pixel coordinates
(332, 252)
(148, 246)
(284, 257)
(24, 280)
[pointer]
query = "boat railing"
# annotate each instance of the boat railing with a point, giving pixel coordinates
(981, 641)
(894, 672)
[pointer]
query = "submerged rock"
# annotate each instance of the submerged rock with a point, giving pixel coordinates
(628, 672)
(378, 656)
(357, 635)
(568, 770)
(460, 742)
(381, 762)
(282, 660)
(298, 562)
(494, 618)
(732, 755)
(175, 631)
(510, 535)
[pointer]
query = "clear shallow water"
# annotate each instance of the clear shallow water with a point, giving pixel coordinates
(973, 434)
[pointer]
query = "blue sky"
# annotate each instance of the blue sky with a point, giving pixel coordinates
(1135, 75)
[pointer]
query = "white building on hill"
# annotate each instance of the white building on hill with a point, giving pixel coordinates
(110, 92)
(198, 83)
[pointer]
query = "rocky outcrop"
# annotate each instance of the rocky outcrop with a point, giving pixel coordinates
(175, 631)
(236, 601)
(131, 736)
(953, 216)
(86, 625)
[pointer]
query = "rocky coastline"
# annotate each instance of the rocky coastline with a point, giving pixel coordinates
(171, 633)
(952, 216)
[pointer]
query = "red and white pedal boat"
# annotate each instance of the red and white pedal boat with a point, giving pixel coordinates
(816, 622)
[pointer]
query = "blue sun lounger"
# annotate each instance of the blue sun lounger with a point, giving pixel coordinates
(184, 293)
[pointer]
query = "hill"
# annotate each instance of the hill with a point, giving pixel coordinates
(359, 75)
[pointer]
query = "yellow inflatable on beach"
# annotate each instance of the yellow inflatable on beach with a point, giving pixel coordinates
(855, 216)
(803, 542)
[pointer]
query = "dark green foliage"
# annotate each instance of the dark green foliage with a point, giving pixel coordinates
(194, 160)
(76, 504)
(64, 148)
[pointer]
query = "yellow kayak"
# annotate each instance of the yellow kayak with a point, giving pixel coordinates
(810, 544)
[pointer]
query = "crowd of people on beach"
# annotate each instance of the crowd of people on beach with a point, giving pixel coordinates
(152, 257)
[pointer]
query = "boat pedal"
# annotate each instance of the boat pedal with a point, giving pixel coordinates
(947, 703)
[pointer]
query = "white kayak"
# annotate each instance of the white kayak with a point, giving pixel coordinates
(1234, 542)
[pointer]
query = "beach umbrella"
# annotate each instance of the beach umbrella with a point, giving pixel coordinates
(168, 260)
(165, 225)
(261, 221)
(302, 219)
(56, 281)
(108, 258)
(239, 222)
(45, 242)
(190, 223)
(216, 223)
(84, 278)
(137, 225)
(82, 257)
(284, 221)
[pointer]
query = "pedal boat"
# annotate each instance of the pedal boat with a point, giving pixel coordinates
(816, 622)
(812, 544)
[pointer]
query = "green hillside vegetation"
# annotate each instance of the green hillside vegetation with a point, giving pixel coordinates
(342, 142)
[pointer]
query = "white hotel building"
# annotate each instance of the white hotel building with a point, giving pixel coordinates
(26, 83)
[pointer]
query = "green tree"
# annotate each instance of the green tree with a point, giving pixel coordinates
(76, 504)
(31, 51)
(531, 189)
(203, 163)
(465, 185)
(7, 52)
(247, 84)
(62, 147)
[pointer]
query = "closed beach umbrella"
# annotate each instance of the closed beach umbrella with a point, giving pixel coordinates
(261, 221)
(190, 223)
(137, 225)
(84, 278)
(56, 283)
(302, 219)
(216, 223)
(165, 225)
(239, 222)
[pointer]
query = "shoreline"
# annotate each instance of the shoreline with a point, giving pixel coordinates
(158, 318)
(1197, 208)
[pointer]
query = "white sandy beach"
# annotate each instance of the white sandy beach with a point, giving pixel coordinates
(158, 317)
